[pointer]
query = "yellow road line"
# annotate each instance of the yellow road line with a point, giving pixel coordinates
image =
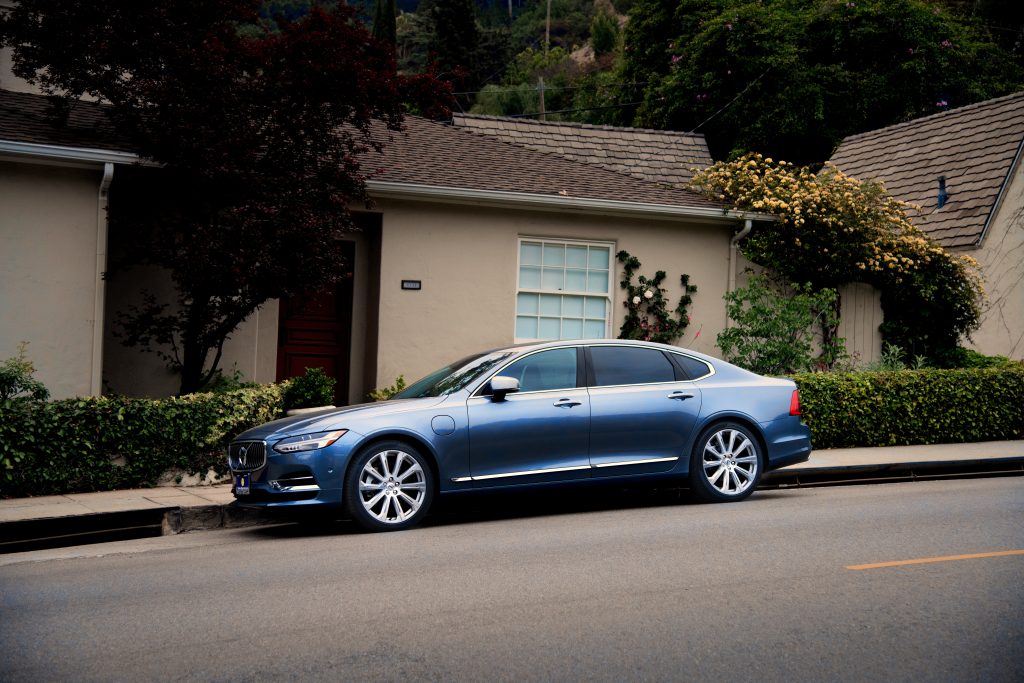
(928, 560)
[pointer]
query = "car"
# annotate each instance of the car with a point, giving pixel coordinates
(543, 414)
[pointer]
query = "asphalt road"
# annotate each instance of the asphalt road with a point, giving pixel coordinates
(604, 586)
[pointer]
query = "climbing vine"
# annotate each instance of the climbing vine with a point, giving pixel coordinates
(647, 315)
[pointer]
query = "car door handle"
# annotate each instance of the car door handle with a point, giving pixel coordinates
(680, 395)
(566, 403)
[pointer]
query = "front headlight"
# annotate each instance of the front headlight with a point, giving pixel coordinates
(308, 442)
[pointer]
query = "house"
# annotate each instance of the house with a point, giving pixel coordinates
(474, 241)
(962, 170)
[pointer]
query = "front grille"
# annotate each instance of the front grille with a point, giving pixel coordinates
(247, 455)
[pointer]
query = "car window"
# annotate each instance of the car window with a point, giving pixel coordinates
(453, 377)
(544, 371)
(694, 369)
(615, 365)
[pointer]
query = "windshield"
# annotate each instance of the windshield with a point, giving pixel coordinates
(454, 376)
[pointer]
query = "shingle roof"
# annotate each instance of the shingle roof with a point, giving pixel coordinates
(438, 154)
(26, 117)
(656, 155)
(974, 147)
(426, 153)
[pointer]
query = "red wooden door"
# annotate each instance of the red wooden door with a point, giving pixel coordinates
(315, 331)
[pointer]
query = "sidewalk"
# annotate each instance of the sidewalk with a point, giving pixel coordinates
(75, 518)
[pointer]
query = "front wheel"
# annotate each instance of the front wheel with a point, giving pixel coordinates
(726, 463)
(389, 487)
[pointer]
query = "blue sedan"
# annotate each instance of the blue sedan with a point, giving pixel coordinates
(543, 414)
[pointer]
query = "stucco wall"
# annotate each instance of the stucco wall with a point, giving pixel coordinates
(252, 348)
(466, 258)
(1001, 257)
(48, 223)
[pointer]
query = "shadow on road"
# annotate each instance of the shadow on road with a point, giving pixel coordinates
(469, 508)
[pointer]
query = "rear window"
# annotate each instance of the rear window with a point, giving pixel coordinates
(614, 365)
(694, 369)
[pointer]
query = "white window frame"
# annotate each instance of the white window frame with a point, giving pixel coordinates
(612, 274)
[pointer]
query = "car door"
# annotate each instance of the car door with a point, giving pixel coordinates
(540, 433)
(642, 412)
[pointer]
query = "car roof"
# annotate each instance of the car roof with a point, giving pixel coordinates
(533, 346)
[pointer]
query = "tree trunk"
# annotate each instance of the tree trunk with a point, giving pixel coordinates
(830, 332)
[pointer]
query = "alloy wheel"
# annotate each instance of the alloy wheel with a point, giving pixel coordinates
(730, 461)
(392, 486)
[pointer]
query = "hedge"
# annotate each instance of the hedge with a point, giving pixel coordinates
(913, 406)
(105, 443)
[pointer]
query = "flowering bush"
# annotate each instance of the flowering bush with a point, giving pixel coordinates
(647, 314)
(834, 229)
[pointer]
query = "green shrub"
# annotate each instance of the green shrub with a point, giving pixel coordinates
(311, 390)
(773, 332)
(111, 442)
(17, 381)
(969, 358)
(913, 406)
(604, 33)
(387, 392)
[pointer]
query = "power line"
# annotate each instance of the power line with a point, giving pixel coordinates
(730, 102)
(547, 88)
(569, 111)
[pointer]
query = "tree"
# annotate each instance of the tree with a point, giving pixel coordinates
(791, 78)
(259, 128)
(833, 229)
(385, 27)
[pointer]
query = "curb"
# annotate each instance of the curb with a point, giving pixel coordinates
(103, 527)
(59, 532)
(881, 473)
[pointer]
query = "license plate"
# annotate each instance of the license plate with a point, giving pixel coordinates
(242, 482)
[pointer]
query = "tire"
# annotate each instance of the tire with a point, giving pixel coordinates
(727, 463)
(389, 487)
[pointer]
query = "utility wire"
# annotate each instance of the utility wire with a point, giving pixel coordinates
(569, 111)
(730, 102)
(547, 88)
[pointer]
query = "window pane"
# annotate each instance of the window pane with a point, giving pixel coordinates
(552, 279)
(529, 277)
(576, 257)
(526, 328)
(695, 369)
(593, 329)
(572, 328)
(526, 304)
(597, 281)
(544, 371)
(549, 328)
(615, 365)
(596, 308)
(550, 304)
(572, 306)
(529, 253)
(575, 280)
(599, 257)
(554, 255)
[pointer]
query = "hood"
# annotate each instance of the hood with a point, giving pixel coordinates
(334, 418)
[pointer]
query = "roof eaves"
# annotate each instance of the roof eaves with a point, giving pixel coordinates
(60, 153)
(1014, 165)
(462, 195)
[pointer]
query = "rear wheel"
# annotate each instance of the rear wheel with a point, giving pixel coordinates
(726, 463)
(389, 487)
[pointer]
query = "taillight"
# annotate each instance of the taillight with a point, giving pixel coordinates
(794, 403)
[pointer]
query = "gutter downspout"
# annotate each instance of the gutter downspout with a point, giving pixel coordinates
(734, 245)
(99, 300)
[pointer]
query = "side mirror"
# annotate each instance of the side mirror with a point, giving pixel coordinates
(501, 386)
